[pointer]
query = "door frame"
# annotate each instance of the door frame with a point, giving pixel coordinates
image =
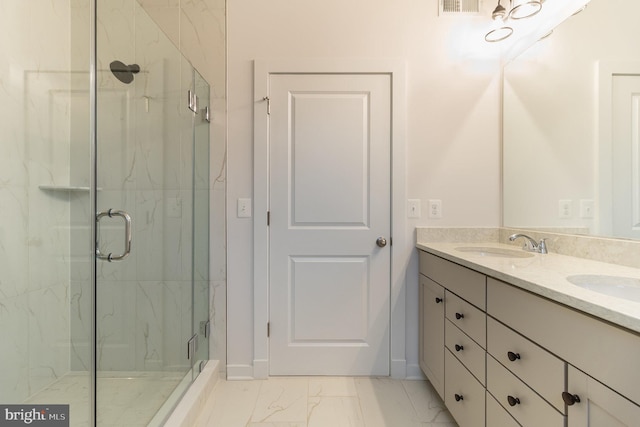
(402, 245)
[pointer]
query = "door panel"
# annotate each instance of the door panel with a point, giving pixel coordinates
(329, 202)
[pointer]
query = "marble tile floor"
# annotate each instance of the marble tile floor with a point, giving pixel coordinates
(324, 402)
(125, 399)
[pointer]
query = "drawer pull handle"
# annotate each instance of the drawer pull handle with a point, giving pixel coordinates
(459, 347)
(569, 398)
(458, 397)
(513, 356)
(459, 316)
(513, 401)
(438, 300)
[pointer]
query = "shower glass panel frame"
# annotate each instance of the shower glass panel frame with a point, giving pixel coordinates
(90, 147)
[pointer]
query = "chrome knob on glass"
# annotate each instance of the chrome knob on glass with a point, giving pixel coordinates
(530, 244)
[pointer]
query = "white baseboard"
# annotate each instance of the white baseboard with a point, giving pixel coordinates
(415, 373)
(239, 372)
(260, 369)
(398, 369)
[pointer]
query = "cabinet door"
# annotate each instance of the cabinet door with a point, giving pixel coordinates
(432, 332)
(599, 406)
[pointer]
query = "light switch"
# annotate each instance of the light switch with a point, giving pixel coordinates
(413, 208)
(587, 206)
(244, 208)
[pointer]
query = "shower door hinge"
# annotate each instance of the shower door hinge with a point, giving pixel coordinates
(268, 329)
(192, 346)
(205, 328)
(192, 101)
(266, 98)
(206, 114)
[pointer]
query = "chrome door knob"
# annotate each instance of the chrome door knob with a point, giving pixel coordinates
(381, 242)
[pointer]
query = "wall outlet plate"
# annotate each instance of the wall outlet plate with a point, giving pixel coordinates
(565, 209)
(435, 209)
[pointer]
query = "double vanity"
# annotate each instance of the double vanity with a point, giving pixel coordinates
(510, 337)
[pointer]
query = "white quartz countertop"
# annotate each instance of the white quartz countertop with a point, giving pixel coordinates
(546, 275)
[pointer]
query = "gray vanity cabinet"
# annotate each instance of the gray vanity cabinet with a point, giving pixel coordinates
(453, 336)
(508, 357)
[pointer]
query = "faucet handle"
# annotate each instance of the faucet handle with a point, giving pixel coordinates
(542, 246)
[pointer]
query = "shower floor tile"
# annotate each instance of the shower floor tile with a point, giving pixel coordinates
(128, 399)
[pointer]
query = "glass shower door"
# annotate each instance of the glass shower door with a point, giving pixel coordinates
(144, 228)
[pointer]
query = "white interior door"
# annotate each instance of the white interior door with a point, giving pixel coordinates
(330, 144)
(626, 156)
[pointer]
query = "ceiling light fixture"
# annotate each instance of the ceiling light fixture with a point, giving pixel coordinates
(498, 34)
(525, 9)
(501, 31)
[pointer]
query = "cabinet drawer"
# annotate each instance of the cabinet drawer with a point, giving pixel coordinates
(538, 368)
(466, 283)
(466, 351)
(466, 317)
(497, 416)
(529, 409)
(464, 395)
(608, 353)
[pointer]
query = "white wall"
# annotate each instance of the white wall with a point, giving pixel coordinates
(453, 125)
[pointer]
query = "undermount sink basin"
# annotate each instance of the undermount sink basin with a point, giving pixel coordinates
(494, 252)
(614, 286)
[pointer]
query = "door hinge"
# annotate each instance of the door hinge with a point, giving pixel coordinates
(192, 101)
(266, 98)
(268, 218)
(268, 329)
(192, 346)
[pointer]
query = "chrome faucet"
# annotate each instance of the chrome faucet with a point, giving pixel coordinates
(530, 244)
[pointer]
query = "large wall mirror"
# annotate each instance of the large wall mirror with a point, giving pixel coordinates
(571, 153)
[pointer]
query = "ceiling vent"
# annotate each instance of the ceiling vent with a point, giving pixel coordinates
(448, 7)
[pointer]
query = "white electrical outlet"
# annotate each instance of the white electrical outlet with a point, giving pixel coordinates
(244, 208)
(413, 208)
(587, 207)
(435, 209)
(564, 209)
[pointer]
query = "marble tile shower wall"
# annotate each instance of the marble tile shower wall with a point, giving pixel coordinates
(35, 99)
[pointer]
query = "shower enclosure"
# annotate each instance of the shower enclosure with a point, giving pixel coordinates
(104, 212)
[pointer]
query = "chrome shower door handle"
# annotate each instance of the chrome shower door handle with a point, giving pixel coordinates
(127, 235)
